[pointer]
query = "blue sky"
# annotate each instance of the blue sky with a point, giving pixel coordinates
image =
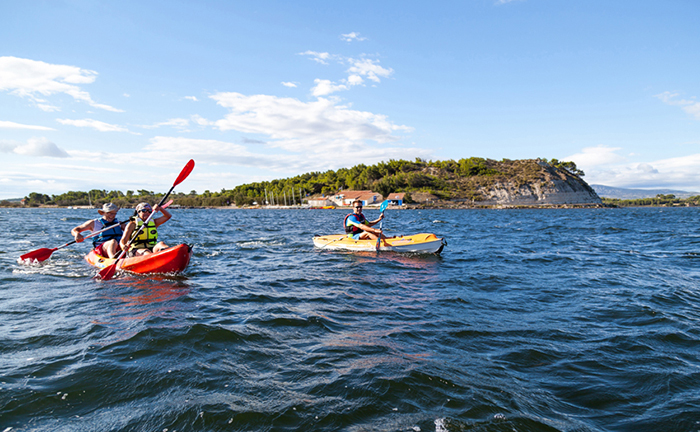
(119, 95)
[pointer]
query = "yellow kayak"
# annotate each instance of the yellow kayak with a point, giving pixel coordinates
(416, 243)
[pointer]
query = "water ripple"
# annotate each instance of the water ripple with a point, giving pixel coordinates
(542, 320)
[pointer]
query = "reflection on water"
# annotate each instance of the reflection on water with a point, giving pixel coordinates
(135, 302)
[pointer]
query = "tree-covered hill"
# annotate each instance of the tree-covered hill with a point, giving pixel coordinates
(467, 179)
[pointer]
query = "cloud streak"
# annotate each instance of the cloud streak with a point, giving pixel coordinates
(352, 36)
(36, 80)
(35, 147)
(93, 124)
(13, 125)
(690, 106)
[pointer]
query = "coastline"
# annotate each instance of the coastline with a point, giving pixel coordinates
(401, 208)
(426, 206)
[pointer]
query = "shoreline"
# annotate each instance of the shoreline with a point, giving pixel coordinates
(393, 208)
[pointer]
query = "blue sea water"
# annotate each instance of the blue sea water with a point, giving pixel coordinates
(530, 320)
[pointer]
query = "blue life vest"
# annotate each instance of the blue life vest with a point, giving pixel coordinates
(113, 234)
(352, 229)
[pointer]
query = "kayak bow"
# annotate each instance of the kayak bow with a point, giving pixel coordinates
(171, 260)
(416, 243)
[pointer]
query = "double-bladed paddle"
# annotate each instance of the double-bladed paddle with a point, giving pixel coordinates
(43, 254)
(382, 208)
(108, 272)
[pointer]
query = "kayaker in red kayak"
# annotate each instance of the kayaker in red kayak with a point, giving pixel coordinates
(147, 241)
(358, 227)
(107, 243)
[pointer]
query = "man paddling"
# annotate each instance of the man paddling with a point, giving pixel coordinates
(358, 227)
(147, 241)
(107, 243)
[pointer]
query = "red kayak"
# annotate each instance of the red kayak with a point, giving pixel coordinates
(171, 260)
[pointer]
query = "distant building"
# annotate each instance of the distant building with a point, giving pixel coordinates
(396, 198)
(346, 197)
(321, 202)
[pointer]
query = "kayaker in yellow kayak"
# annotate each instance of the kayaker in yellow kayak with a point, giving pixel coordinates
(358, 227)
(147, 241)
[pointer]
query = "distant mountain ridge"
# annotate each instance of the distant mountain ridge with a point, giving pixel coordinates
(623, 193)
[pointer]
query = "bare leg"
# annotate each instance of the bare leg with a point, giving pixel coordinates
(144, 251)
(111, 248)
(159, 247)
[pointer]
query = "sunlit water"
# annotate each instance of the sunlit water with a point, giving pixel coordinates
(531, 320)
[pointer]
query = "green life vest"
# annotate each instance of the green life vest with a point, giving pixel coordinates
(148, 237)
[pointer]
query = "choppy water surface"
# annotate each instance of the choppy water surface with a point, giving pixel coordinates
(532, 320)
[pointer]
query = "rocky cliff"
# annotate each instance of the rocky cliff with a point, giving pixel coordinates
(551, 186)
(509, 183)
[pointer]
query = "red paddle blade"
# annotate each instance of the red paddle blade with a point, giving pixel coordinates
(107, 273)
(184, 173)
(38, 255)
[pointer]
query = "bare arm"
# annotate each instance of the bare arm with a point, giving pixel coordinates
(163, 219)
(127, 234)
(86, 226)
(376, 221)
(366, 227)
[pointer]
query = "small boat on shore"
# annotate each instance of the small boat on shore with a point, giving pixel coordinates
(423, 243)
(171, 260)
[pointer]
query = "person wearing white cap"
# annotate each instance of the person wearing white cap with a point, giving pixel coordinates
(106, 243)
(147, 241)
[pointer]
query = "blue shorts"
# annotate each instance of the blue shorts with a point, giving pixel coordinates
(354, 236)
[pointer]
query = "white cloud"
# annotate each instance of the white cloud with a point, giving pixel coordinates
(13, 125)
(326, 87)
(36, 147)
(590, 157)
(48, 108)
(368, 68)
(291, 119)
(179, 123)
(318, 57)
(675, 173)
(352, 36)
(192, 98)
(201, 120)
(94, 124)
(359, 70)
(35, 80)
(289, 84)
(691, 106)
(318, 134)
(7, 147)
(354, 80)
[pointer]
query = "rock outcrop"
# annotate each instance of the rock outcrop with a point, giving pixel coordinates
(550, 187)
